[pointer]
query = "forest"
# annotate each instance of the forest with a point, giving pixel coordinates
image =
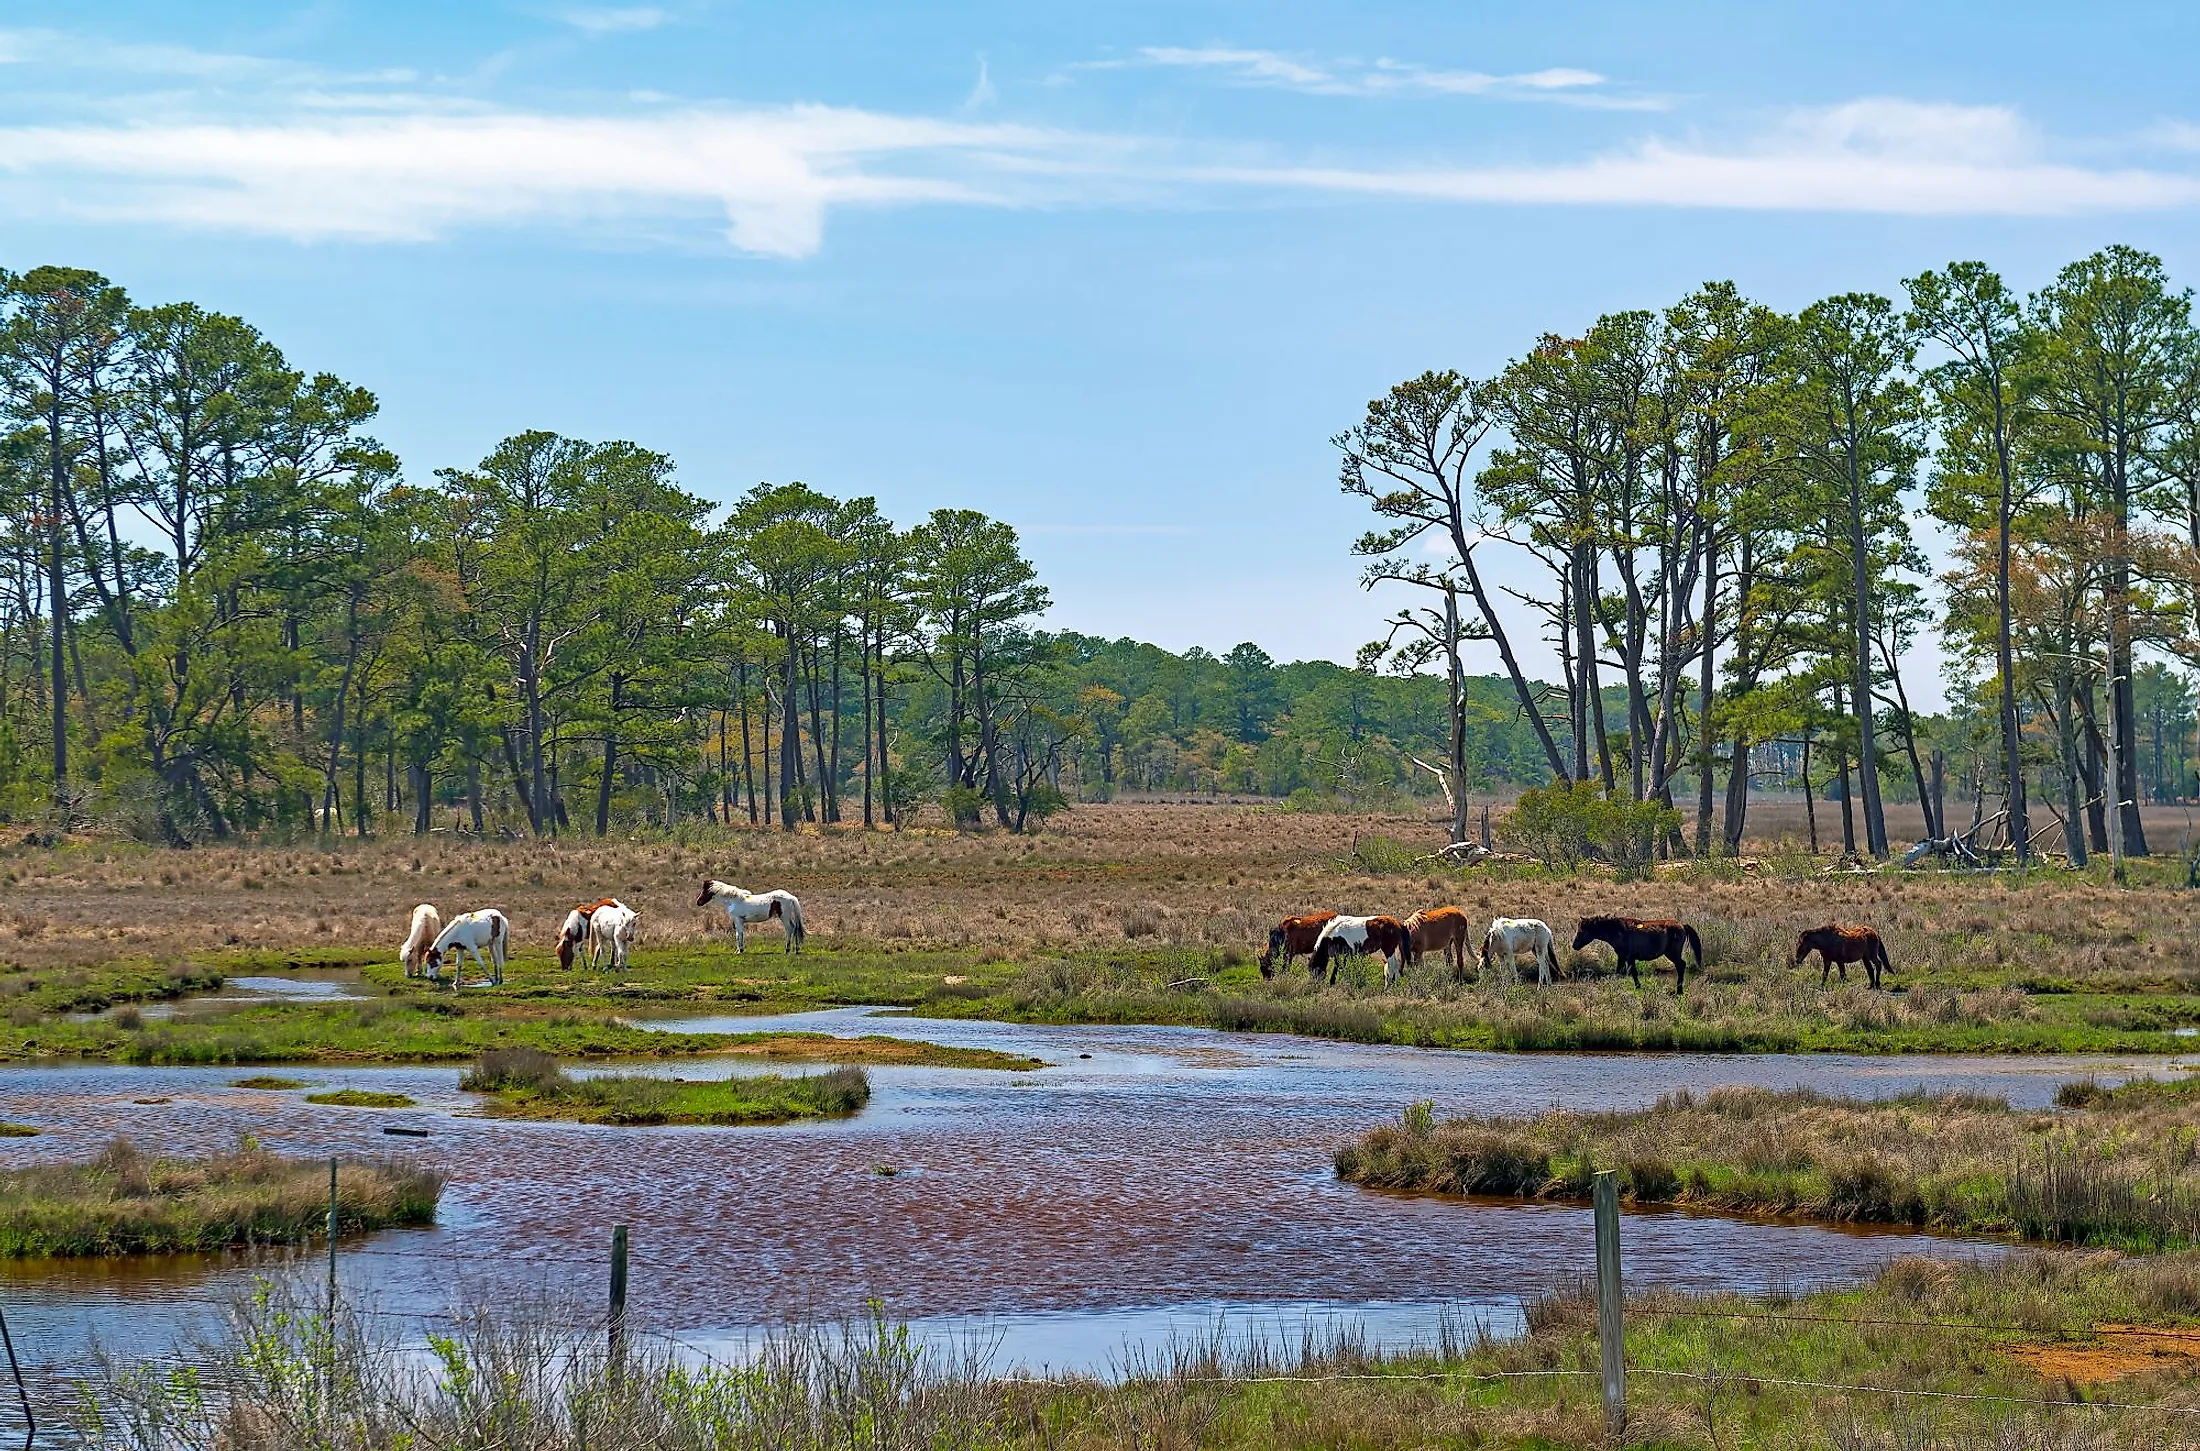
(1721, 502)
(229, 611)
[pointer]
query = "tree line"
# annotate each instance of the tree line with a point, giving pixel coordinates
(225, 609)
(1717, 501)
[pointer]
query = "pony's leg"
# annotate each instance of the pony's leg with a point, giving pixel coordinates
(740, 933)
(1825, 967)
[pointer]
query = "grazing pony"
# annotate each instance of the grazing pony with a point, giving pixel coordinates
(1508, 937)
(1643, 940)
(426, 923)
(1293, 937)
(1840, 946)
(611, 932)
(470, 933)
(1369, 935)
(742, 908)
(573, 936)
(1440, 929)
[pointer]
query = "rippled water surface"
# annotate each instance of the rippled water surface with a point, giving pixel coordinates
(1151, 1181)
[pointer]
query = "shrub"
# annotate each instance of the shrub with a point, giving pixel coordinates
(1567, 826)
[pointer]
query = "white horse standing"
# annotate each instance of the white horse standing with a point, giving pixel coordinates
(1508, 937)
(742, 908)
(427, 924)
(471, 933)
(610, 933)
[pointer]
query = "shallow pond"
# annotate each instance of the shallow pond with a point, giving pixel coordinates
(1151, 1183)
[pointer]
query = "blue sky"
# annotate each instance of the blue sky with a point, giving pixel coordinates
(1112, 272)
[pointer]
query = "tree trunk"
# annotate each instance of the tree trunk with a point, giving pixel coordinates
(1810, 799)
(603, 782)
(2066, 735)
(790, 728)
(1860, 685)
(748, 766)
(1522, 691)
(1848, 808)
(1706, 684)
(423, 788)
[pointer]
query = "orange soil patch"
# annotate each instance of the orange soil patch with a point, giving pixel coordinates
(2124, 1350)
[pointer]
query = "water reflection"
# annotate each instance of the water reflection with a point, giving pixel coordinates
(1149, 1182)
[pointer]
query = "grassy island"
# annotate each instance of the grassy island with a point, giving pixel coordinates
(2111, 1167)
(125, 1202)
(528, 1084)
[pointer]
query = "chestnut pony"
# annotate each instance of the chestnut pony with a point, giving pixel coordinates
(1440, 929)
(1840, 946)
(1293, 937)
(1637, 939)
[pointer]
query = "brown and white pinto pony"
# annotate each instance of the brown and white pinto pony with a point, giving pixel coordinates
(1440, 929)
(742, 908)
(573, 936)
(472, 933)
(1293, 937)
(427, 925)
(1364, 935)
(1839, 946)
(1637, 939)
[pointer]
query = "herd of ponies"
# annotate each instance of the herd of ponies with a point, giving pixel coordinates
(601, 932)
(1328, 937)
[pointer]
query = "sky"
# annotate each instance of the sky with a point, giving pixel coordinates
(1114, 272)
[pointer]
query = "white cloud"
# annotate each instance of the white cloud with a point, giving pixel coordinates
(613, 19)
(772, 175)
(385, 167)
(1875, 155)
(1379, 77)
(981, 93)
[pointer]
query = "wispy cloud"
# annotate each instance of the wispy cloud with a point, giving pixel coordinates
(613, 19)
(1379, 77)
(982, 92)
(312, 156)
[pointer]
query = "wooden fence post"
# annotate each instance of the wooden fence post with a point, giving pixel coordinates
(1611, 1339)
(618, 1302)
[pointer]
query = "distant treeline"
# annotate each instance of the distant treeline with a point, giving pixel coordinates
(225, 609)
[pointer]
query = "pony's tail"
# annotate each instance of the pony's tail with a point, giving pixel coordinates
(1695, 944)
(1879, 950)
(791, 913)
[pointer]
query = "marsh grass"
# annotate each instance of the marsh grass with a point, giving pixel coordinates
(126, 1202)
(1941, 1345)
(528, 1083)
(360, 1098)
(2120, 1168)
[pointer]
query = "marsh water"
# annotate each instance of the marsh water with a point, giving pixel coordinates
(1150, 1183)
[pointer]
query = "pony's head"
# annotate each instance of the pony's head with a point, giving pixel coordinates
(710, 890)
(1268, 958)
(1803, 945)
(1586, 933)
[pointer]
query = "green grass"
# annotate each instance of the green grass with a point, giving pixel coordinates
(268, 1081)
(360, 1098)
(124, 1202)
(1928, 1356)
(2116, 1168)
(529, 1084)
(17, 1131)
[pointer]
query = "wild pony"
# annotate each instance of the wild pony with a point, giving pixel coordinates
(1509, 937)
(1293, 937)
(1440, 929)
(1840, 946)
(472, 933)
(573, 936)
(426, 924)
(742, 908)
(611, 933)
(1341, 936)
(1637, 939)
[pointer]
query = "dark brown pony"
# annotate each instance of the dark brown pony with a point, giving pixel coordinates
(1440, 929)
(1293, 937)
(1639, 940)
(1840, 946)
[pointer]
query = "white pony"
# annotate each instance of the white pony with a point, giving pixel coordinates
(573, 935)
(426, 924)
(470, 932)
(610, 933)
(743, 908)
(1508, 937)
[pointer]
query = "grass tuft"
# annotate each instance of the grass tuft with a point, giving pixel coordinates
(360, 1098)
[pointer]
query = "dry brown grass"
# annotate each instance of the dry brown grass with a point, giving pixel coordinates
(1142, 874)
